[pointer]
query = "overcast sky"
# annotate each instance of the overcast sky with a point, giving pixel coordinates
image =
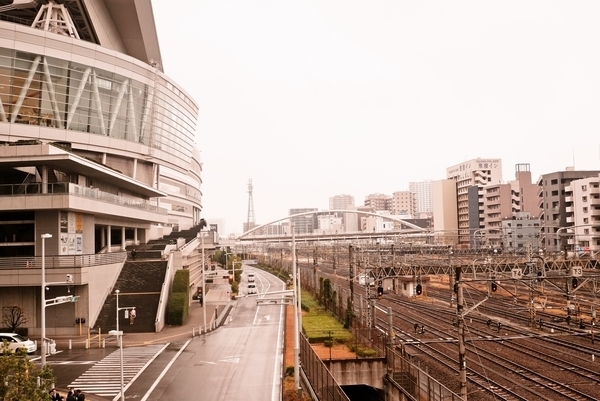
(311, 99)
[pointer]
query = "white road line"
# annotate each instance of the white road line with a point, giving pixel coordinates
(165, 370)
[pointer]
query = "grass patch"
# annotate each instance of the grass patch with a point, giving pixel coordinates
(319, 325)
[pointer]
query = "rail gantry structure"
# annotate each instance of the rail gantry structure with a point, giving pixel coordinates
(388, 261)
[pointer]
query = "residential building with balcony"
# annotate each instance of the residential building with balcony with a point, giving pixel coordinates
(582, 198)
(97, 149)
(521, 233)
(304, 224)
(378, 202)
(404, 203)
(554, 202)
(423, 195)
(504, 201)
(470, 177)
(341, 202)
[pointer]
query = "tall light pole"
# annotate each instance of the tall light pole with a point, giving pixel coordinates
(44, 236)
(297, 313)
(119, 335)
(203, 281)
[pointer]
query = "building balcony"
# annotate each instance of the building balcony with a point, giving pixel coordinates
(570, 219)
(64, 195)
(569, 209)
(27, 271)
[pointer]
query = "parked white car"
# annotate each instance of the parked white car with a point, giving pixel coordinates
(17, 341)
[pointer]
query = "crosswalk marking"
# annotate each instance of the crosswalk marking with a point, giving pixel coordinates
(104, 377)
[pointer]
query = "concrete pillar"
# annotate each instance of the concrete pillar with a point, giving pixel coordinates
(44, 173)
(135, 236)
(108, 239)
(123, 238)
(134, 175)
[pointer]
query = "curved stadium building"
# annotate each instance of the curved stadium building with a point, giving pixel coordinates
(97, 149)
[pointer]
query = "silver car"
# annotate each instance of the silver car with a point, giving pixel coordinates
(17, 341)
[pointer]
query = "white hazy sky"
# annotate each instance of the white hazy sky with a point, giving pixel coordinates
(312, 99)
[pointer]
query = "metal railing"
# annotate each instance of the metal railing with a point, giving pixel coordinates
(322, 381)
(32, 262)
(35, 188)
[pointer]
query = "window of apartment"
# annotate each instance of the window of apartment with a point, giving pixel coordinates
(584, 198)
(586, 220)
(554, 204)
(554, 182)
(584, 187)
(586, 231)
(585, 209)
(519, 225)
(554, 193)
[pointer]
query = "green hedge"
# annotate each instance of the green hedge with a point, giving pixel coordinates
(181, 281)
(177, 309)
(178, 306)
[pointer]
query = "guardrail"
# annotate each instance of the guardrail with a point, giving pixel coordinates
(33, 262)
(67, 188)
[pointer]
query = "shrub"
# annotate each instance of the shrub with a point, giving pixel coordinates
(177, 309)
(181, 281)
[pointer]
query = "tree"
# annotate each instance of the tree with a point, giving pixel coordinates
(19, 377)
(13, 317)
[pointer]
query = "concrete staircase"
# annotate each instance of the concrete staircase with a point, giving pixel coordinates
(139, 283)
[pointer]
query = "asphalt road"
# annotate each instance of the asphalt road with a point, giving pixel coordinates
(242, 360)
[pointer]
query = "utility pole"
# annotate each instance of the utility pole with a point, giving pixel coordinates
(462, 360)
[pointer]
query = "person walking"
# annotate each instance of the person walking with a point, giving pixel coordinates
(133, 253)
(55, 395)
(71, 395)
(80, 395)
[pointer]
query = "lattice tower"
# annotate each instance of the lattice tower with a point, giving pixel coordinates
(250, 223)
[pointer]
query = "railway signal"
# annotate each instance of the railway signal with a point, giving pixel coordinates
(380, 291)
(574, 283)
(419, 289)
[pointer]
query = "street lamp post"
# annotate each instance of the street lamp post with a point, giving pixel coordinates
(119, 335)
(203, 282)
(44, 236)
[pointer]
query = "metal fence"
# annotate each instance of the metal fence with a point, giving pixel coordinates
(415, 381)
(322, 382)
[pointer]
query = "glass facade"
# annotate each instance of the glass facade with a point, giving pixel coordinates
(47, 91)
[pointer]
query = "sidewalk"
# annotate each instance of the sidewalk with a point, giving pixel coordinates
(216, 298)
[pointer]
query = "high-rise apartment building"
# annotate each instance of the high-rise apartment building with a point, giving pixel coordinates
(423, 195)
(470, 178)
(404, 203)
(305, 224)
(445, 215)
(583, 196)
(378, 202)
(341, 202)
(556, 207)
(503, 201)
